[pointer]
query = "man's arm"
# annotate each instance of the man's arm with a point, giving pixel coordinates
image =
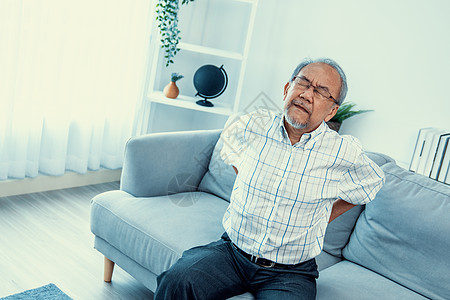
(235, 169)
(339, 207)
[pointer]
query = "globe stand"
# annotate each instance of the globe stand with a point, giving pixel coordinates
(205, 102)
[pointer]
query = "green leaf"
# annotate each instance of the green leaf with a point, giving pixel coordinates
(167, 18)
(346, 111)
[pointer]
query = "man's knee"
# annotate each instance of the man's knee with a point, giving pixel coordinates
(184, 280)
(192, 276)
(172, 284)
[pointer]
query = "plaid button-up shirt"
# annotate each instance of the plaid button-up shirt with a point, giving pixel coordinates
(283, 194)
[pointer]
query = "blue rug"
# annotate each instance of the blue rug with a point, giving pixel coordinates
(46, 292)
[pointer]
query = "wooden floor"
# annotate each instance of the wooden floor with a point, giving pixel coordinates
(45, 238)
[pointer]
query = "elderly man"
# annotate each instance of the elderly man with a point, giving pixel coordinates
(294, 175)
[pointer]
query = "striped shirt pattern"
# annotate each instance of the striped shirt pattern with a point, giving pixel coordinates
(283, 194)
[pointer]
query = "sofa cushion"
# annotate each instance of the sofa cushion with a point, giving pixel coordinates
(404, 233)
(379, 158)
(339, 230)
(219, 178)
(155, 231)
(325, 260)
(346, 280)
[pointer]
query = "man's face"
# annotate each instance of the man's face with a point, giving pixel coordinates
(303, 108)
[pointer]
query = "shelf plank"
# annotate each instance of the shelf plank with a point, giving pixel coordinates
(246, 1)
(187, 102)
(210, 51)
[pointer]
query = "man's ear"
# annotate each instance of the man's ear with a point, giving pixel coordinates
(286, 88)
(332, 113)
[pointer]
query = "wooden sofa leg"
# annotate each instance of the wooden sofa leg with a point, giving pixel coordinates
(108, 270)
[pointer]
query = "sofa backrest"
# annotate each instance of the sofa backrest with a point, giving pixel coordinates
(166, 163)
(404, 234)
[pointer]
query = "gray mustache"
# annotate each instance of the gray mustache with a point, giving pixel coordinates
(299, 103)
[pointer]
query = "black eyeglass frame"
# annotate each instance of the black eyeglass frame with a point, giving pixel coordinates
(315, 88)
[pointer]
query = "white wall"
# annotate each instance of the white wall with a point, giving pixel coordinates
(395, 54)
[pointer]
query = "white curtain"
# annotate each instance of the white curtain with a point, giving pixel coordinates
(71, 76)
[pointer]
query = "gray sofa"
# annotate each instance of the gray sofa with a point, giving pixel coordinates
(174, 191)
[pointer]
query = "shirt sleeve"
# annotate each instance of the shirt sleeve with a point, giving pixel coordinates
(362, 181)
(233, 141)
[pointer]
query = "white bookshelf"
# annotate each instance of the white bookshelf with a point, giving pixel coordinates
(199, 52)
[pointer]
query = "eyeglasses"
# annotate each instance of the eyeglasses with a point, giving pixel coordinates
(319, 91)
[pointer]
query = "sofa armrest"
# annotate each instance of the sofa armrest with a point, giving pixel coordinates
(165, 163)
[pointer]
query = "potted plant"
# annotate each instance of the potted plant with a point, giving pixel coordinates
(171, 90)
(167, 16)
(344, 112)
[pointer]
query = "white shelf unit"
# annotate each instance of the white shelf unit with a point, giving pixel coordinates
(199, 52)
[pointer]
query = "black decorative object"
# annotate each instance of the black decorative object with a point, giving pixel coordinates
(210, 82)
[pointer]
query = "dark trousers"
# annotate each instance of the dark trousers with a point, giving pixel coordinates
(219, 271)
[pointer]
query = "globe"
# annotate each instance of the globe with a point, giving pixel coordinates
(210, 82)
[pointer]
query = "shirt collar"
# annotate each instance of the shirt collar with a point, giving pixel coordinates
(306, 138)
